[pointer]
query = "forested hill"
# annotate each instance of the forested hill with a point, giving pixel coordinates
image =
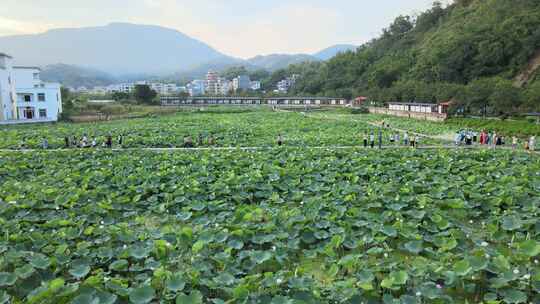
(473, 51)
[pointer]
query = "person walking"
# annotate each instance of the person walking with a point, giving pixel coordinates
(109, 141)
(406, 139)
(94, 142)
(514, 142)
(66, 142)
(392, 139)
(120, 140)
(372, 140)
(532, 143)
(200, 140)
(188, 141)
(397, 138)
(413, 141)
(380, 139)
(457, 139)
(365, 140)
(280, 140)
(45, 143)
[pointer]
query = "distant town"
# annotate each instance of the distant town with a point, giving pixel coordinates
(213, 84)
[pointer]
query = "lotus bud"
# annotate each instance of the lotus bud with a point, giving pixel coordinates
(418, 294)
(516, 271)
(484, 244)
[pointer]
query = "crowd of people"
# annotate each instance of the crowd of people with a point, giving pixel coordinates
(369, 139)
(395, 139)
(491, 139)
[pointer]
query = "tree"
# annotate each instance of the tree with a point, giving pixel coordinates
(532, 97)
(67, 99)
(505, 98)
(144, 94)
(120, 96)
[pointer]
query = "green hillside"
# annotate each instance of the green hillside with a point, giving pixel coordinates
(484, 54)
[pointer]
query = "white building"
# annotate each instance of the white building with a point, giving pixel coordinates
(225, 86)
(212, 83)
(256, 85)
(242, 82)
(196, 87)
(24, 97)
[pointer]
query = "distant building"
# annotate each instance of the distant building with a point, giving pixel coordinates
(196, 87)
(256, 85)
(225, 86)
(284, 85)
(242, 82)
(24, 97)
(212, 83)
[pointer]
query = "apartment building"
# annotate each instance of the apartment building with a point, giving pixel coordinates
(24, 97)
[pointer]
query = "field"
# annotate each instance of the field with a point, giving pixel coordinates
(296, 224)
(242, 129)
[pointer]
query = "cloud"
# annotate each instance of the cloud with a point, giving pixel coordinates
(15, 27)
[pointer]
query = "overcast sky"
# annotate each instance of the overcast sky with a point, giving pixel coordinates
(241, 28)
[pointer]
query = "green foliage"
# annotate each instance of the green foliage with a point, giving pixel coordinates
(469, 52)
(277, 226)
(145, 95)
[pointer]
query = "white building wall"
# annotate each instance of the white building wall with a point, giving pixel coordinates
(32, 99)
(7, 89)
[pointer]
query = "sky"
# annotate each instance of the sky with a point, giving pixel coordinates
(240, 28)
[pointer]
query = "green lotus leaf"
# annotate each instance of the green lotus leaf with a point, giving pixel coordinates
(407, 299)
(501, 263)
(529, 248)
(40, 261)
(86, 299)
(236, 244)
(106, 298)
(139, 252)
(430, 290)
(389, 231)
(4, 297)
(462, 268)
(260, 257)
(79, 271)
(511, 223)
(142, 295)
(7, 279)
(478, 262)
(194, 298)
(25, 271)
(513, 296)
(119, 265)
(224, 279)
(399, 277)
(414, 246)
(281, 300)
(176, 283)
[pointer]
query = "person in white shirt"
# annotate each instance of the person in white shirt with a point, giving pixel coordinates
(406, 139)
(532, 143)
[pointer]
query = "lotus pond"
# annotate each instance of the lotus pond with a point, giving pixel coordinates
(245, 129)
(284, 226)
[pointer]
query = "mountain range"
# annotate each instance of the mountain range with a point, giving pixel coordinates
(97, 54)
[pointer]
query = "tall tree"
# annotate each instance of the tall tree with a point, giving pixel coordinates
(144, 94)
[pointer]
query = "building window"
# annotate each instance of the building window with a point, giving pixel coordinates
(36, 76)
(27, 98)
(41, 96)
(42, 113)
